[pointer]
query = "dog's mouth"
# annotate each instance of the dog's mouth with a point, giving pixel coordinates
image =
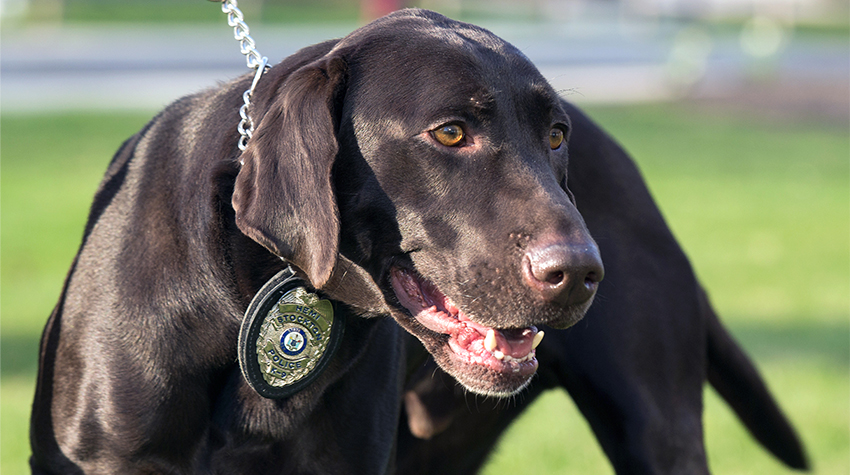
(486, 360)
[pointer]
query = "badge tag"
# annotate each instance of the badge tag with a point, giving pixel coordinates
(287, 337)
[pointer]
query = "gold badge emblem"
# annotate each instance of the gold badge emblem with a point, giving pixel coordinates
(293, 337)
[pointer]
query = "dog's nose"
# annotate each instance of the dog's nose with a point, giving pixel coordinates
(563, 273)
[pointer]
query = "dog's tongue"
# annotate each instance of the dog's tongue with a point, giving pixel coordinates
(436, 312)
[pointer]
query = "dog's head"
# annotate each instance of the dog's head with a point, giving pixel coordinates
(421, 162)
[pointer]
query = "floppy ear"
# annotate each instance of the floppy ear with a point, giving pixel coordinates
(283, 196)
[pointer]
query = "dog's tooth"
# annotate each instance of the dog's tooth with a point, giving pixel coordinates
(490, 340)
(499, 355)
(537, 339)
(508, 358)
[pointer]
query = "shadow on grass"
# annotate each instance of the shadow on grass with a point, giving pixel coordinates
(18, 355)
(825, 341)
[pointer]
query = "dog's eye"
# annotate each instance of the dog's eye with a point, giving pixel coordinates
(449, 134)
(556, 138)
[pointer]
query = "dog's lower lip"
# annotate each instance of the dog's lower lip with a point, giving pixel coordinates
(504, 351)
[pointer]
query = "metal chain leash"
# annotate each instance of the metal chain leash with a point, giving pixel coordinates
(254, 60)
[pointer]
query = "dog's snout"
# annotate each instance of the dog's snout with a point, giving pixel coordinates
(563, 273)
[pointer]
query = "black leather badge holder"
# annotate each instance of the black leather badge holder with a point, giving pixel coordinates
(288, 336)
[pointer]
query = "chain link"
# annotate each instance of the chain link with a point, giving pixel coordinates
(254, 60)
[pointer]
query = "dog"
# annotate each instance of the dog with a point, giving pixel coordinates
(635, 366)
(416, 169)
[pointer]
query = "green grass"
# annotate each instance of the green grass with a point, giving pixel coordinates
(194, 11)
(268, 11)
(761, 207)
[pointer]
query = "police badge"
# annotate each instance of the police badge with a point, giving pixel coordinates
(287, 337)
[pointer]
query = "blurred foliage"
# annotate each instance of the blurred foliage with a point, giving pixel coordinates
(829, 17)
(192, 11)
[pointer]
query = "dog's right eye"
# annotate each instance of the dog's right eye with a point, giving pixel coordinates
(449, 135)
(556, 138)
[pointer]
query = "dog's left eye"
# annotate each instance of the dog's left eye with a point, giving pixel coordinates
(556, 138)
(449, 135)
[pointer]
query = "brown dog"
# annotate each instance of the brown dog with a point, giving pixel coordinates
(415, 169)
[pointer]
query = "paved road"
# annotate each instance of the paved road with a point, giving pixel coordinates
(132, 67)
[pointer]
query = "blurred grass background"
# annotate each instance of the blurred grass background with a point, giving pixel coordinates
(761, 206)
(760, 202)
